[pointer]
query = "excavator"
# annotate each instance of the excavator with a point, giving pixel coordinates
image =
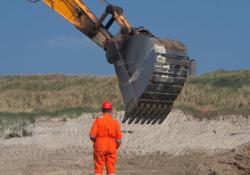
(151, 71)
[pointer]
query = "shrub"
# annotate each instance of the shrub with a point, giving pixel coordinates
(17, 128)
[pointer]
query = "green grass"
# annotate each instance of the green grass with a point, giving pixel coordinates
(31, 116)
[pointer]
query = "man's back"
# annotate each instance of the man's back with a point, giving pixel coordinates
(106, 130)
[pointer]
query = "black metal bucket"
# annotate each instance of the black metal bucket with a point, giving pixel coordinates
(151, 74)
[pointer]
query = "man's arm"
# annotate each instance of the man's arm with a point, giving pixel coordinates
(93, 131)
(118, 135)
(92, 138)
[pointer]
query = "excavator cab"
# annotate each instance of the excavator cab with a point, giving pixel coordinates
(151, 71)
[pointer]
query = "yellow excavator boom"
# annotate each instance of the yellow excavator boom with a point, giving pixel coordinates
(77, 13)
(67, 8)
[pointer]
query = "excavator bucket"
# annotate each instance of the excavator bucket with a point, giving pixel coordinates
(151, 74)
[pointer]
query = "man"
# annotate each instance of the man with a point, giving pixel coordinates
(106, 136)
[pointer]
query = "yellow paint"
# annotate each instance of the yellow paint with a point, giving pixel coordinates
(66, 8)
(86, 10)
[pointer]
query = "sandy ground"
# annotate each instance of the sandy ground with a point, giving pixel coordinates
(181, 145)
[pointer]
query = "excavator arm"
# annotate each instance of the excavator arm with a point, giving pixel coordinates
(77, 13)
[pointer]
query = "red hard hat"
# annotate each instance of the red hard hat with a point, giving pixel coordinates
(106, 104)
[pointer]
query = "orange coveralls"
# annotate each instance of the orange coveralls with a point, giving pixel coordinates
(107, 136)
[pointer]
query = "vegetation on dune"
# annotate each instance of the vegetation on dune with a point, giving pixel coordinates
(217, 93)
(55, 92)
(15, 125)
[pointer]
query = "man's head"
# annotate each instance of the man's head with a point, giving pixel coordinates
(106, 106)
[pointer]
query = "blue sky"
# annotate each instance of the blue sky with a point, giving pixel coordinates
(35, 39)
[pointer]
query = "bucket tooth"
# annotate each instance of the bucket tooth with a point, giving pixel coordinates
(131, 119)
(154, 121)
(156, 114)
(139, 114)
(159, 114)
(128, 115)
(137, 120)
(135, 114)
(162, 119)
(164, 116)
(148, 113)
(149, 120)
(143, 120)
(125, 118)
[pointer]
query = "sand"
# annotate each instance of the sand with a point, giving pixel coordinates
(181, 145)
